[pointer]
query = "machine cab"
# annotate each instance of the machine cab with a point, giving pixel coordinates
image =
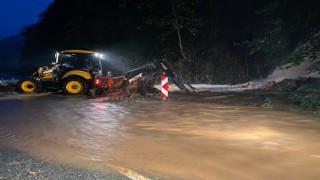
(87, 61)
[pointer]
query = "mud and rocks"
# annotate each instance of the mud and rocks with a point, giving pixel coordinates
(272, 93)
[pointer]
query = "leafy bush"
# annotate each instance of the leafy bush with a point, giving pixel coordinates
(307, 96)
(266, 105)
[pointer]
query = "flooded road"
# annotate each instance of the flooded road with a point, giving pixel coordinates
(165, 140)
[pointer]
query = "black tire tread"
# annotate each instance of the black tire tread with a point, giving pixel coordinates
(84, 83)
(39, 87)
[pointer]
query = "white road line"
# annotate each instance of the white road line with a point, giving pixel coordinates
(129, 173)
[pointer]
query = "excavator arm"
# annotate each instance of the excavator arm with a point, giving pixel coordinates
(154, 67)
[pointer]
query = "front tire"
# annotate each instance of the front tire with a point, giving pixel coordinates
(75, 86)
(29, 85)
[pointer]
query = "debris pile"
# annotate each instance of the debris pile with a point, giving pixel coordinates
(287, 85)
(138, 88)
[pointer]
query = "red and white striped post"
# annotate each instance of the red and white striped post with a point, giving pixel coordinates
(164, 87)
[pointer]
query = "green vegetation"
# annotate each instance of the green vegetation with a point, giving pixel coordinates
(266, 105)
(307, 96)
(290, 33)
(207, 41)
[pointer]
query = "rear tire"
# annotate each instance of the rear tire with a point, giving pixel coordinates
(75, 86)
(29, 85)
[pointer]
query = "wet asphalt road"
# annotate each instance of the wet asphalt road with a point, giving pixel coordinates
(18, 165)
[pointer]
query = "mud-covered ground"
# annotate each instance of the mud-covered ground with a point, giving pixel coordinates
(254, 98)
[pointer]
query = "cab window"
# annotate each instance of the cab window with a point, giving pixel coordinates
(81, 61)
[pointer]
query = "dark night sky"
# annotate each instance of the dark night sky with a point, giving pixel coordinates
(15, 14)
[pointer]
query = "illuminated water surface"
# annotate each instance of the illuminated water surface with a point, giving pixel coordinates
(170, 140)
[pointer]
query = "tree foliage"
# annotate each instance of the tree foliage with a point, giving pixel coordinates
(211, 41)
(289, 32)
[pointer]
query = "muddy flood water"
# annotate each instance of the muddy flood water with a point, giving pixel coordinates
(164, 140)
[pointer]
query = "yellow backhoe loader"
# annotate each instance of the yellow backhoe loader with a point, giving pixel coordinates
(80, 72)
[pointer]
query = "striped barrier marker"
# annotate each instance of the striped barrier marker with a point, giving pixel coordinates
(164, 87)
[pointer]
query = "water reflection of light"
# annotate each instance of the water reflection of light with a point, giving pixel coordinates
(182, 140)
(99, 125)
